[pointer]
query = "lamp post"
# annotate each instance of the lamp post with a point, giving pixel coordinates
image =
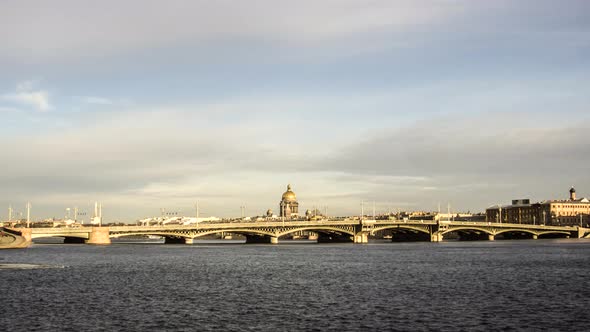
(29, 215)
(362, 210)
(197, 210)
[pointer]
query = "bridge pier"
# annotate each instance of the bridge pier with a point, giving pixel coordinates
(189, 240)
(436, 237)
(491, 237)
(99, 235)
(535, 236)
(361, 237)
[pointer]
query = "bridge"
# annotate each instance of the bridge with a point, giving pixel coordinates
(327, 230)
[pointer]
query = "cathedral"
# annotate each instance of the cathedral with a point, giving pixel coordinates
(289, 206)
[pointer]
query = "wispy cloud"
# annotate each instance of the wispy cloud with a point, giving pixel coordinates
(96, 100)
(28, 94)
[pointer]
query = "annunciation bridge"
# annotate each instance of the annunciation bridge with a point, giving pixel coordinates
(327, 231)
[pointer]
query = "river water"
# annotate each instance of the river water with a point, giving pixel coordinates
(450, 286)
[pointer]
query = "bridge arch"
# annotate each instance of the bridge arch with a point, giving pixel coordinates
(46, 236)
(467, 233)
(467, 229)
(516, 233)
(554, 234)
(120, 235)
(525, 233)
(69, 238)
(401, 228)
(317, 229)
(406, 233)
(254, 232)
(189, 234)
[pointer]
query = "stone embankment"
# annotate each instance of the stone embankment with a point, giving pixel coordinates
(12, 240)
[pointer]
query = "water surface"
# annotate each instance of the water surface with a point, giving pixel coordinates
(500, 285)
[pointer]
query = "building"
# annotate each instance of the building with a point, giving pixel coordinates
(567, 212)
(289, 206)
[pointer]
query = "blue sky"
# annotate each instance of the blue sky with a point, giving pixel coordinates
(149, 104)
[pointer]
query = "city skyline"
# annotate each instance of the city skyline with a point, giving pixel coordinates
(404, 103)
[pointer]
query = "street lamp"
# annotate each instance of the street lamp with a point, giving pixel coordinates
(362, 210)
(29, 215)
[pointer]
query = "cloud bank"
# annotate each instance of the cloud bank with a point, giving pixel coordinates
(147, 105)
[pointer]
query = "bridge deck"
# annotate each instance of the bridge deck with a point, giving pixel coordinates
(290, 224)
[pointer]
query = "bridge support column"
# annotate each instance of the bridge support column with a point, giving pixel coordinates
(535, 236)
(491, 237)
(436, 237)
(361, 237)
(99, 235)
(274, 240)
(188, 240)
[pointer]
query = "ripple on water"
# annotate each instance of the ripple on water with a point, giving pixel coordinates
(21, 266)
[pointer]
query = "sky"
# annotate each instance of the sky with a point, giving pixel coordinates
(144, 105)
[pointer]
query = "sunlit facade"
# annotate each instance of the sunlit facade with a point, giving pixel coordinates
(568, 212)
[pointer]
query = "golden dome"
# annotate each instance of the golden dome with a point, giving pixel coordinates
(289, 195)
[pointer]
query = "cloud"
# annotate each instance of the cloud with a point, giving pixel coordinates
(485, 144)
(168, 157)
(8, 109)
(37, 99)
(69, 28)
(335, 150)
(27, 85)
(27, 94)
(96, 100)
